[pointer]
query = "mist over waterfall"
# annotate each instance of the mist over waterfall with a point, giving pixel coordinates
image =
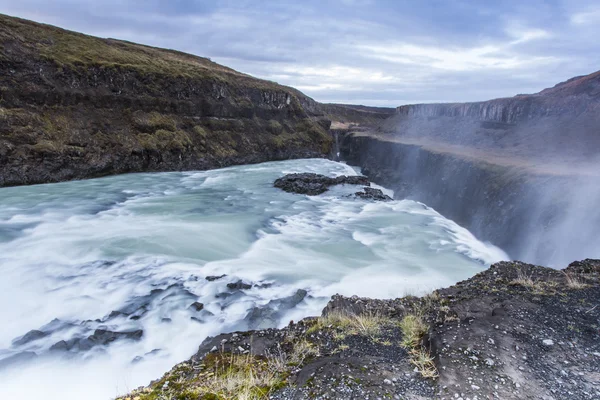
(521, 172)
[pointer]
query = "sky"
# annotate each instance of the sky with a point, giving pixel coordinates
(371, 52)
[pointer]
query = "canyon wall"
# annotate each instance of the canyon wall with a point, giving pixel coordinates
(538, 217)
(74, 106)
(521, 172)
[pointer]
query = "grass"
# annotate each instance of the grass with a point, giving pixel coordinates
(537, 286)
(302, 350)
(237, 376)
(229, 376)
(573, 282)
(526, 280)
(73, 50)
(422, 360)
(367, 324)
(153, 121)
(414, 328)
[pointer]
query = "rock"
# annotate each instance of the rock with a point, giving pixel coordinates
(369, 193)
(125, 102)
(314, 184)
(197, 306)
(268, 316)
(17, 359)
(586, 266)
(212, 278)
(60, 346)
(104, 337)
(29, 337)
(83, 344)
(289, 302)
(100, 337)
(263, 285)
(239, 285)
(114, 314)
(153, 352)
(548, 342)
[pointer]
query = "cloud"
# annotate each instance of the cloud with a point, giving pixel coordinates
(452, 59)
(587, 17)
(378, 52)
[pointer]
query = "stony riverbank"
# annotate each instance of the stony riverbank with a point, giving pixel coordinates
(513, 331)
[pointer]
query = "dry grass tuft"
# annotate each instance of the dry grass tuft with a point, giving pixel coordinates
(244, 377)
(526, 280)
(422, 359)
(413, 329)
(523, 279)
(302, 350)
(368, 324)
(573, 282)
(229, 376)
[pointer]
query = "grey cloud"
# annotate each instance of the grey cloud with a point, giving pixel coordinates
(384, 52)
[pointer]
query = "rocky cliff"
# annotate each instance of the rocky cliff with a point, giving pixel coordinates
(521, 172)
(561, 121)
(74, 106)
(514, 331)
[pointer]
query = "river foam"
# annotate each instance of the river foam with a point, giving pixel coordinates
(131, 253)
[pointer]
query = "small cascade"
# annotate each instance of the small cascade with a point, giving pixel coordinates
(336, 147)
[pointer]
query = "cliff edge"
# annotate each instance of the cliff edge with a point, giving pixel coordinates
(514, 331)
(74, 106)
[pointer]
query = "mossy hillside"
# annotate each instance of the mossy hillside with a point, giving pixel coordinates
(127, 140)
(74, 61)
(74, 106)
(74, 49)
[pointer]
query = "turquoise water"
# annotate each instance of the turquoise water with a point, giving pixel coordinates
(76, 251)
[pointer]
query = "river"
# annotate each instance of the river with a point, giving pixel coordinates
(73, 253)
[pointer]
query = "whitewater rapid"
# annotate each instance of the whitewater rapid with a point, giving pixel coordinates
(143, 244)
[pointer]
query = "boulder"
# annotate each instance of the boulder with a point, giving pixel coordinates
(239, 285)
(29, 337)
(104, 337)
(197, 306)
(212, 278)
(314, 184)
(269, 315)
(100, 337)
(370, 193)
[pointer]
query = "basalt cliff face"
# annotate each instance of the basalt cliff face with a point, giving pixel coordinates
(563, 120)
(74, 106)
(520, 172)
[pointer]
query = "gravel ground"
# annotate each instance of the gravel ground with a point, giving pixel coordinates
(514, 331)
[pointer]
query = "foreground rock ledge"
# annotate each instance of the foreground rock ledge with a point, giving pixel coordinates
(514, 331)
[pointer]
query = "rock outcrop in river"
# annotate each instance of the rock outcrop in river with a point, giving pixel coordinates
(313, 184)
(514, 331)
